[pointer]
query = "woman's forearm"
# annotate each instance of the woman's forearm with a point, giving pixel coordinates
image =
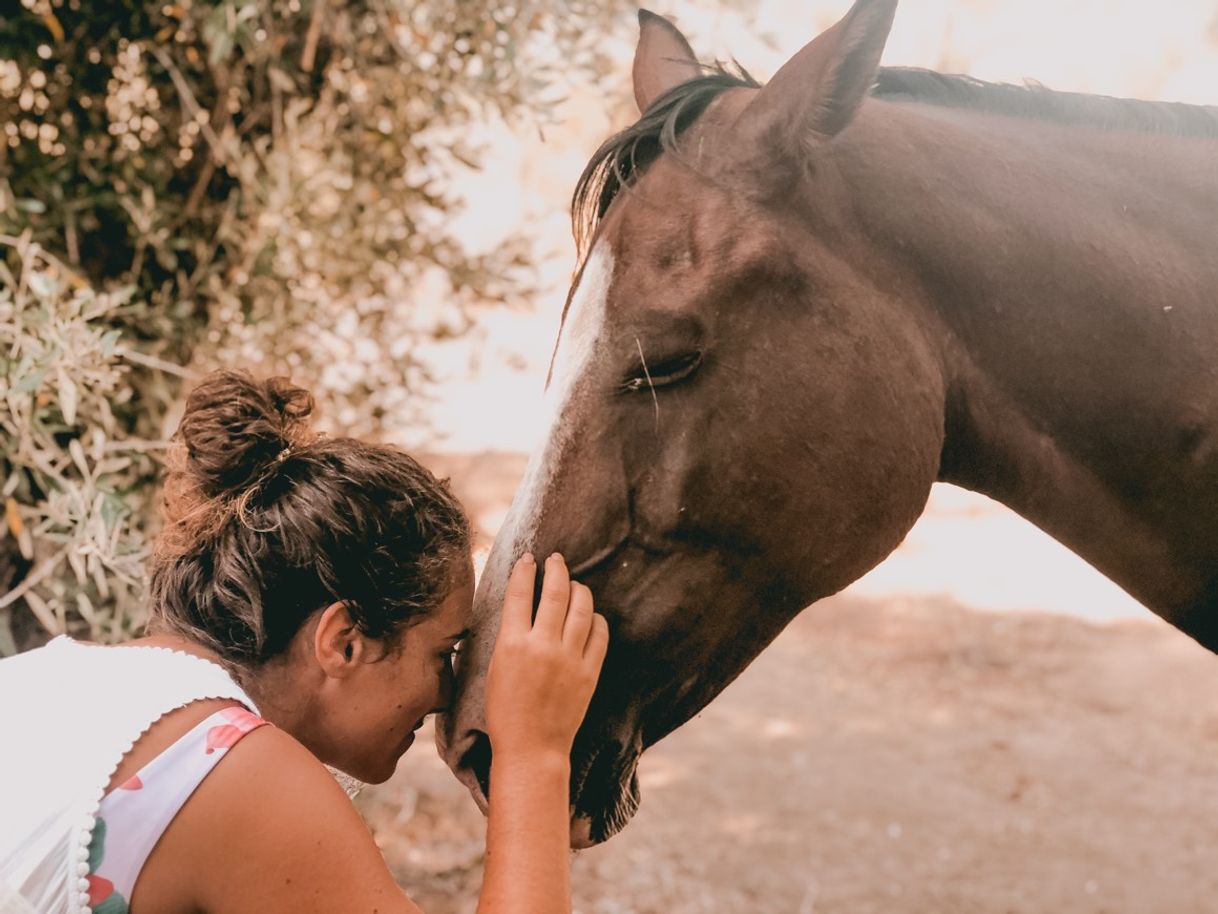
(528, 837)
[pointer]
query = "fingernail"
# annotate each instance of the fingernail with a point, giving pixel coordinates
(555, 556)
(527, 559)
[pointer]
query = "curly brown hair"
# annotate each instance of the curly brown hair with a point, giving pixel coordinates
(267, 522)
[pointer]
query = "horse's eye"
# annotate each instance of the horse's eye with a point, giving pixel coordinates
(664, 372)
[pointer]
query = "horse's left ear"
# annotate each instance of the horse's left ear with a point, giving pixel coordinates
(662, 60)
(816, 93)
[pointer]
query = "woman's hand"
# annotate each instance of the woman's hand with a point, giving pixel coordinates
(541, 678)
(543, 672)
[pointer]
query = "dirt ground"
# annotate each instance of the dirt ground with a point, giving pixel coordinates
(907, 756)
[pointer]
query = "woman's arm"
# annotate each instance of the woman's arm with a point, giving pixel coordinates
(270, 830)
(528, 839)
(541, 678)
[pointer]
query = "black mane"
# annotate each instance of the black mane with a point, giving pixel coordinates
(625, 156)
(910, 84)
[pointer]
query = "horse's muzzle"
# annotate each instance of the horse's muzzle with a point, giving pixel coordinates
(604, 786)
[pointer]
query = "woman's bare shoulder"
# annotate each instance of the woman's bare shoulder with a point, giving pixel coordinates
(270, 829)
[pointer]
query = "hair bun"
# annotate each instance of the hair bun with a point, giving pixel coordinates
(235, 427)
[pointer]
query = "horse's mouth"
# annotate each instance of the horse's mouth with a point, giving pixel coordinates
(604, 793)
(604, 787)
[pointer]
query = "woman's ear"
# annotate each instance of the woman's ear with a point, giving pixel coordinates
(338, 645)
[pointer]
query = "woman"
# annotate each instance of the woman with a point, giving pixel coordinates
(308, 597)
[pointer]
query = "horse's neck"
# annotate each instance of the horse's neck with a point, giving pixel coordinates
(1070, 276)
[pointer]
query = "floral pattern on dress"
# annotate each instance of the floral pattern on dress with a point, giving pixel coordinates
(103, 899)
(140, 808)
(225, 736)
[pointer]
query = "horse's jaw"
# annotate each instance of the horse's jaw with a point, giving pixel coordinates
(604, 787)
(589, 830)
(604, 790)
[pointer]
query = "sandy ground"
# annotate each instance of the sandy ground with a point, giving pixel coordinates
(904, 754)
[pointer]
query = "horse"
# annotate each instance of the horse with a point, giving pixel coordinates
(799, 305)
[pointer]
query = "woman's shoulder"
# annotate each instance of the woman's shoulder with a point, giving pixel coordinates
(273, 770)
(270, 829)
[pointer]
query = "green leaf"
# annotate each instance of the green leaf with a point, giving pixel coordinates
(221, 47)
(68, 396)
(113, 510)
(31, 382)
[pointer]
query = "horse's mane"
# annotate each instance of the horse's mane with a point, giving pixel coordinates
(623, 158)
(1033, 100)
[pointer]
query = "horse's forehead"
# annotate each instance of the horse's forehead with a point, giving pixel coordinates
(679, 206)
(584, 315)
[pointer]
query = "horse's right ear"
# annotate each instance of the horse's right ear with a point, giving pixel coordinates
(817, 92)
(662, 60)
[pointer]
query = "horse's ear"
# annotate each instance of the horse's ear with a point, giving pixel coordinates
(663, 59)
(818, 91)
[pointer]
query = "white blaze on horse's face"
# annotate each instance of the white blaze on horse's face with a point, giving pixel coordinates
(581, 329)
(577, 344)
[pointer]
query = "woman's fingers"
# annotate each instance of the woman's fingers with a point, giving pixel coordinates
(555, 594)
(540, 682)
(518, 601)
(579, 617)
(598, 641)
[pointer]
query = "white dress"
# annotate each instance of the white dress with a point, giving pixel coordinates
(69, 712)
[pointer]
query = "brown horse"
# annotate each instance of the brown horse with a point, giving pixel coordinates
(802, 304)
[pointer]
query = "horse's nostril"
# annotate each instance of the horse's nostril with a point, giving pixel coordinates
(477, 759)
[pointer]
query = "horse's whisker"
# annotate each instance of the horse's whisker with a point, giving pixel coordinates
(647, 374)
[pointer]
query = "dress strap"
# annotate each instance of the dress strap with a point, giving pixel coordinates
(134, 815)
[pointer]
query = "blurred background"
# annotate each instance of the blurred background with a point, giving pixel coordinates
(372, 198)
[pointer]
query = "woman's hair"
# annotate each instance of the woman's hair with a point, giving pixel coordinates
(267, 522)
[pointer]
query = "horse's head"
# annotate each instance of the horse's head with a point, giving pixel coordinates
(743, 417)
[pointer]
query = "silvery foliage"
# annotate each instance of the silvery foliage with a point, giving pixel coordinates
(268, 183)
(71, 477)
